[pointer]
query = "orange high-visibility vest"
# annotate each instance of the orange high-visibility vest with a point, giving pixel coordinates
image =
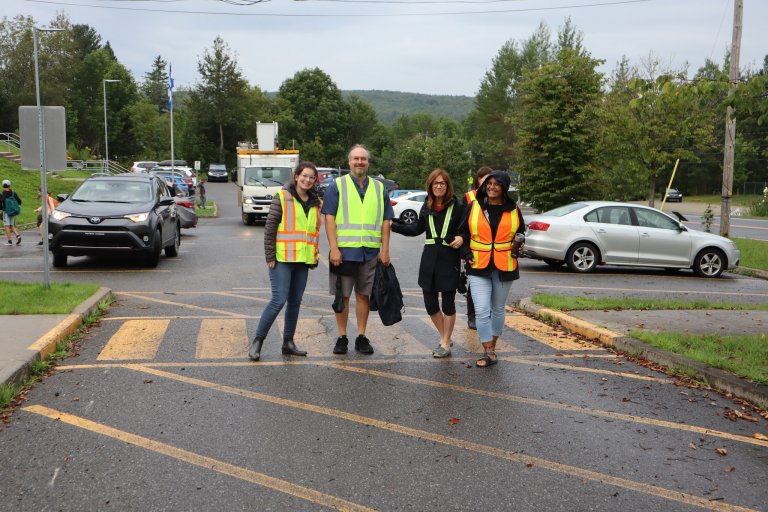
(484, 246)
(470, 196)
(298, 233)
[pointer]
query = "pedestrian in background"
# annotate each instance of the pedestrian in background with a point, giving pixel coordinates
(469, 196)
(10, 203)
(358, 218)
(51, 205)
(440, 217)
(201, 192)
(488, 228)
(291, 236)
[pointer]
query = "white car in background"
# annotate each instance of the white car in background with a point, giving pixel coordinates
(408, 206)
(143, 166)
(586, 234)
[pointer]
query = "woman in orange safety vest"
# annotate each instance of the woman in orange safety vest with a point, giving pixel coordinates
(468, 197)
(291, 235)
(488, 229)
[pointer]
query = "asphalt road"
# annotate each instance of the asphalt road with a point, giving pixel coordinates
(161, 410)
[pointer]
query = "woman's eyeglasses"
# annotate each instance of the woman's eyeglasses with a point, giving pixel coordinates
(438, 184)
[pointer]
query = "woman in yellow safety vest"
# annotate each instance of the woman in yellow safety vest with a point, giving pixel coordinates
(439, 269)
(488, 228)
(291, 236)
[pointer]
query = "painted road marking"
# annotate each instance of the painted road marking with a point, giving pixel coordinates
(468, 339)
(349, 365)
(180, 304)
(392, 340)
(535, 463)
(310, 335)
(264, 480)
(544, 333)
(222, 339)
(135, 339)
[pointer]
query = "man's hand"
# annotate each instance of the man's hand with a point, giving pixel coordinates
(384, 258)
(335, 257)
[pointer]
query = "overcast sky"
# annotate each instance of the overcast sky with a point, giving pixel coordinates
(426, 46)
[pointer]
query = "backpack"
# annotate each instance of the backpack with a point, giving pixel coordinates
(12, 207)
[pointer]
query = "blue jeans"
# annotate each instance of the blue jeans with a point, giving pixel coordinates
(288, 281)
(490, 297)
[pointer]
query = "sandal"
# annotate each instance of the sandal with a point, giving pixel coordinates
(487, 360)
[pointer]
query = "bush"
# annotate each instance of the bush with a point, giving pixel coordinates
(760, 208)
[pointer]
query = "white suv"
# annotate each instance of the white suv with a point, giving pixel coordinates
(143, 166)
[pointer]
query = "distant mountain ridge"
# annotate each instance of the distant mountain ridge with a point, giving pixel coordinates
(390, 105)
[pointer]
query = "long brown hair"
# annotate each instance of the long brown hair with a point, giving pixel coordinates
(304, 164)
(438, 173)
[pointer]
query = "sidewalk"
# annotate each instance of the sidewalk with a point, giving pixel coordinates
(29, 338)
(612, 328)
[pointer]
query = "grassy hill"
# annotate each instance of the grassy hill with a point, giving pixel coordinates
(390, 105)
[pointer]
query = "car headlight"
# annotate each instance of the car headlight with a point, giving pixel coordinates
(138, 217)
(59, 215)
(248, 200)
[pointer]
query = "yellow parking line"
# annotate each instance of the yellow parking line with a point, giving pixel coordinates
(222, 339)
(544, 333)
(181, 304)
(264, 480)
(528, 460)
(612, 373)
(136, 339)
(399, 342)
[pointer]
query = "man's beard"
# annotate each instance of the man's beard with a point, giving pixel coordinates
(359, 173)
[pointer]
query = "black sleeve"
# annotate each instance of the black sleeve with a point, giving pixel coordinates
(464, 232)
(18, 199)
(521, 227)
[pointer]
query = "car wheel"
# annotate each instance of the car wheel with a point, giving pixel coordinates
(59, 260)
(582, 257)
(173, 249)
(153, 257)
(709, 263)
(554, 263)
(409, 217)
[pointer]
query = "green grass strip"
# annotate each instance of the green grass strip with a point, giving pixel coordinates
(742, 355)
(34, 299)
(754, 253)
(569, 303)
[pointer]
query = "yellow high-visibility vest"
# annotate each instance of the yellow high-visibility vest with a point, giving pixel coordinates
(432, 235)
(298, 233)
(485, 247)
(358, 223)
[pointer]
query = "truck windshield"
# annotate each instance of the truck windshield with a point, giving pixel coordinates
(266, 175)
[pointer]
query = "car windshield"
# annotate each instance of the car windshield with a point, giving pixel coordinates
(217, 167)
(267, 175)
(564, 210)
(113, 191)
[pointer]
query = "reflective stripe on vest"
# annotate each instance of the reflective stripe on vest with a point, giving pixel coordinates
(470, 196)
(484, 247)
(433, 232)
(298, 233)
(358, 223)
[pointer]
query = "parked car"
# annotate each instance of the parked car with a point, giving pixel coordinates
(217, 172)
(133, 214)
(674, 195)
(394, 194)
(186, 211)
(408, 206)
(143, 166)
(174, 181)
(586, 234)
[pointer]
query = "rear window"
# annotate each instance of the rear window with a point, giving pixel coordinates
(564, 210)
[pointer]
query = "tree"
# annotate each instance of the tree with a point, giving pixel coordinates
(155, 86)
(314, 110)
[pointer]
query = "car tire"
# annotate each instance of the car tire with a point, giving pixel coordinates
(554, 263)
(153, 257)
(409, 217)
(173, 250)
(710, 262)
(583, 257)
(59, 260)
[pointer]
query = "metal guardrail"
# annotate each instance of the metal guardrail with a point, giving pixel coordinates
(11, 139)
(97, 166)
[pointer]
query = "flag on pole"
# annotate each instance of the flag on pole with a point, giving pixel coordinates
(170, 87)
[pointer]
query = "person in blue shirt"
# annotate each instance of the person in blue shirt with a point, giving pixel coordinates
(358, 257)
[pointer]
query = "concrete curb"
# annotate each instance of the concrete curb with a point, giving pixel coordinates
(46, 344)
(754, 272)
(718, 379)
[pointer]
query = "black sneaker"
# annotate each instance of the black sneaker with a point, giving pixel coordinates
(341, 345)
(363, 345)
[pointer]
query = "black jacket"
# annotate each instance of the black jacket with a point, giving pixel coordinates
(439, 268)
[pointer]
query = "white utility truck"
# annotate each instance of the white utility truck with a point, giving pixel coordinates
(262, 170)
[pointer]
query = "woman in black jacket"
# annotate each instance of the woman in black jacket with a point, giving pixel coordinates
(439, 269)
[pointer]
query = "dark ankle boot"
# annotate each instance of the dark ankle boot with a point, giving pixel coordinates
(289, 349)
(254, 350)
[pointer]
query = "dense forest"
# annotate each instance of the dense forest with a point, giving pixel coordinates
(543, 110)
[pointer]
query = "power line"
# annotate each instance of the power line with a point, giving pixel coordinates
(341, 15)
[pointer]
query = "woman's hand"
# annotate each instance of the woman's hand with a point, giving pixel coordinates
(457, 242)
(271, 264)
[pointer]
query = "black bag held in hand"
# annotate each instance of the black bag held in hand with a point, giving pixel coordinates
(386, 297)
(338, 298)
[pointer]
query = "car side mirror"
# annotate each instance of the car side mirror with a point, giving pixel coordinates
(166, 201)
(62, 197)
(681, 228)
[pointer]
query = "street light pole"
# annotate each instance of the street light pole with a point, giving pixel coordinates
(41, 143)
(106, 134)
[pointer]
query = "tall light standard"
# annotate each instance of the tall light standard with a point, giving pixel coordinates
(106, 135)
(41, 143)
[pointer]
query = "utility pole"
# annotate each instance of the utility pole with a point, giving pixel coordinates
(730, 121)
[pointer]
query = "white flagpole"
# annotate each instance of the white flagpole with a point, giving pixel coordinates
(170, 100)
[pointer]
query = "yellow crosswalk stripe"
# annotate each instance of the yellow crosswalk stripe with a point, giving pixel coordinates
(311, 335)
(135, 339)
(544, 333)
(222, 339)
(391, 340)
(468, 339)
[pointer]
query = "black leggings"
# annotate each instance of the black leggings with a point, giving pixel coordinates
(433, 306)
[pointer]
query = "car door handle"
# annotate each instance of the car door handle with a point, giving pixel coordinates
(645, 235)
(601, 231)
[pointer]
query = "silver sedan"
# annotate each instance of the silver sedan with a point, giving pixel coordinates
(586, 234)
